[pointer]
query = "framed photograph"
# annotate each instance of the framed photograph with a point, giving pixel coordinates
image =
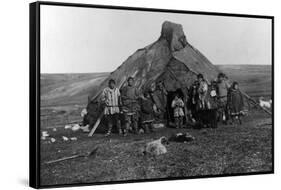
(123, 94)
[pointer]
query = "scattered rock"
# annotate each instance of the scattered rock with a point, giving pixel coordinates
(53, 140)
(64, 138)
(54, 129)
(73, 138)
(76, 127)
(68, 127)
(45, 134)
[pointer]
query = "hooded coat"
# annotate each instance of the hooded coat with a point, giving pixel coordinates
(235, 101)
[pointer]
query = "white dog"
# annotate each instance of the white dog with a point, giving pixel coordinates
(75, 127)
(265, 104)
(156, 147)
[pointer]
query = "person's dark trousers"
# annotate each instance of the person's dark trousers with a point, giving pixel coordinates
(113, 119)
(148, 127)
(179, 122)
(133, 121)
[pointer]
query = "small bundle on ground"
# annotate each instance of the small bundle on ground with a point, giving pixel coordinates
(181, 137)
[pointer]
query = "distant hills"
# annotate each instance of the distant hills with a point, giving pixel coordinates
(65, 89)
(255, 80)
(62, 89)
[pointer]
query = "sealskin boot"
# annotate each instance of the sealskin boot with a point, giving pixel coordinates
(109, 130)
(119, 128)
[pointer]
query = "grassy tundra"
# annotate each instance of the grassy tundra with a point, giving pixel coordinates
(231, 149)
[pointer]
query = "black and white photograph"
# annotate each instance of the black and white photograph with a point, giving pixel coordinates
(136, 94)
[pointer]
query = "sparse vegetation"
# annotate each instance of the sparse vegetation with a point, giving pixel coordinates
(230, 149)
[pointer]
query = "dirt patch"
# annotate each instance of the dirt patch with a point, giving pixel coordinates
(225, 150)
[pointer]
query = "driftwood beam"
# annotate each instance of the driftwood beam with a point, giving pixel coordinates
(255, 103)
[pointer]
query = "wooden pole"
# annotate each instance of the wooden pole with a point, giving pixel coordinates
(63, 159)
(96, 124)
(93, 152)
(255, 103)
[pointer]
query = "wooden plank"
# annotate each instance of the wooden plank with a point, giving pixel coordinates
(96, 124)
(63, 159)
(255, 103)
(89, 154)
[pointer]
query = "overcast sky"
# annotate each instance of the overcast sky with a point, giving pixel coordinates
(79, 40)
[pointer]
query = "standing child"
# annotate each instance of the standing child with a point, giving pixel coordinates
(202, 91)
(177, 105)
(235, 102)
(147, 112)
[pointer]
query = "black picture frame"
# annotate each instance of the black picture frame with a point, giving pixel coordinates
(34, 82)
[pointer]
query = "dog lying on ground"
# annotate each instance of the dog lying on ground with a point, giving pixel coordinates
(265, 104)
(156, 147)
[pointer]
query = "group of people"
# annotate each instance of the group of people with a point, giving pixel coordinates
(220, 95)
(130, 110)
(125, 103)
(230, 100)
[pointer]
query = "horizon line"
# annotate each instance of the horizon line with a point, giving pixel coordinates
(100, 72)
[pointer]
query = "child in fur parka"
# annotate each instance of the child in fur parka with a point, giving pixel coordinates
(178, 105)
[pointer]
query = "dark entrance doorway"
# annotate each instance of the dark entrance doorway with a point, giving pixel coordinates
(170, 97)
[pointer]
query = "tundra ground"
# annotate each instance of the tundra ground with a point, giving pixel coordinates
(228, 149)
